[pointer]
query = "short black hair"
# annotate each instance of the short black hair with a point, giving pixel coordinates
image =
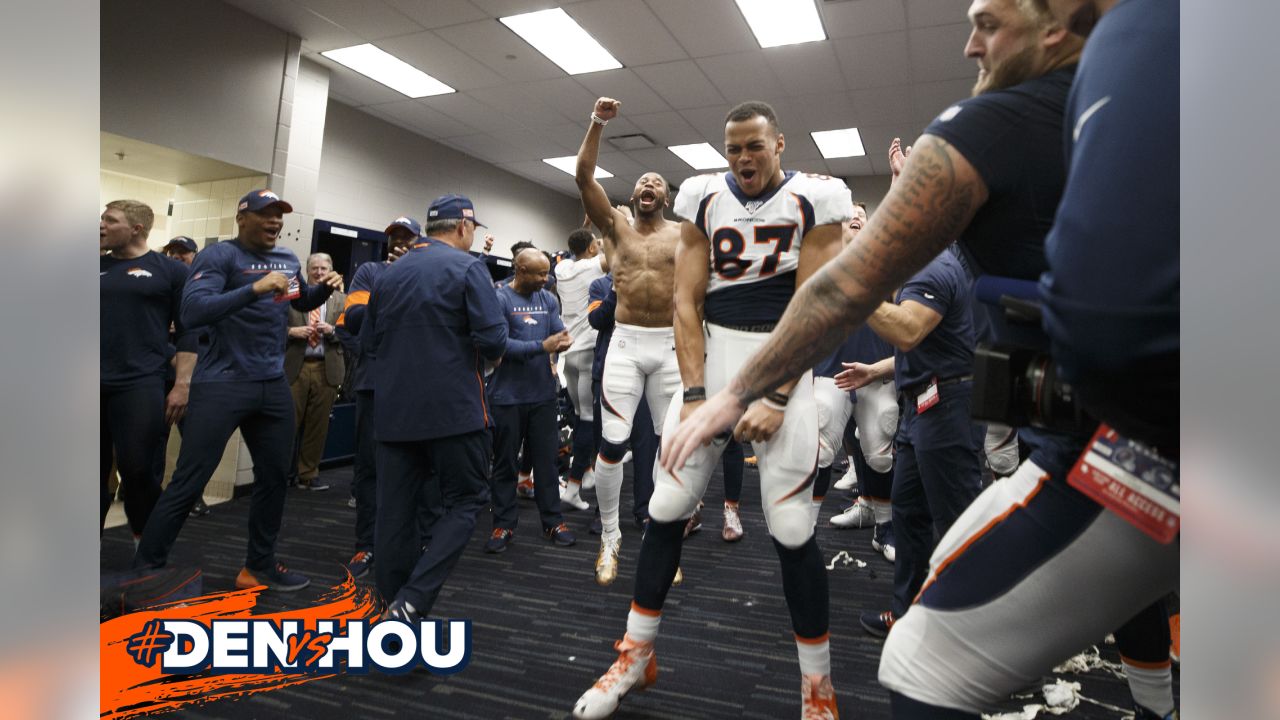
(522, 245)
(753, 108)
(580, 240)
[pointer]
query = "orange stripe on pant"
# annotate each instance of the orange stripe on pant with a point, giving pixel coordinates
(936, 572)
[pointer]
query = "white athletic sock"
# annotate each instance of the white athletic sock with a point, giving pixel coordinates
(1152, 688)
(608, 493)
(816, 507)
(815, 656)
(642, 625)
(882, 509)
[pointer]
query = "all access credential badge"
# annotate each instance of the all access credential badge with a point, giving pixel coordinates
(1133, 481)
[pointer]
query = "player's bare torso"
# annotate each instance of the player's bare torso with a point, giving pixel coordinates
(644, 273)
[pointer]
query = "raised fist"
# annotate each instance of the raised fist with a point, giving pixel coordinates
(607, 108)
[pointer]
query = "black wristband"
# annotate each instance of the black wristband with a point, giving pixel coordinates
(778, 397)
(695, 394)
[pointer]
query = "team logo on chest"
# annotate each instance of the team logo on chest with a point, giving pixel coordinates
(138, 272)
(753, 205)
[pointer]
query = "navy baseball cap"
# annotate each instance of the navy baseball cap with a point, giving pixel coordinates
(453, 207)
(183, 242)
(407, 223)
(260, 199)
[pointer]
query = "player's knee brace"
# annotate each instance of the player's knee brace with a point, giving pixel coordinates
(791, 526)
(880, 462)
(827, 450)
(670, 503)
(612, 452)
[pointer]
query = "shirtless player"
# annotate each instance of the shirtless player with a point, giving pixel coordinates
(641, 359)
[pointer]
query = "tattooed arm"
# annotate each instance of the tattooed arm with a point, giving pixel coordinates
(925, 210)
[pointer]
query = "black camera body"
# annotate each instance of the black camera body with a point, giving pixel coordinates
(1020, 387)
(1015, 381)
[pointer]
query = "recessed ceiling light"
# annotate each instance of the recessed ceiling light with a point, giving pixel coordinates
(700, 156)
(839, 143)
(782, 22)
(556, 35)
(569, 164)
(389, 70)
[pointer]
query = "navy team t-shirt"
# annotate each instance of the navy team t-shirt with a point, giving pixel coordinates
(139, 298)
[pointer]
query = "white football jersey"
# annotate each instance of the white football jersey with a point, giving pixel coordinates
(573, 285)
(753, 239)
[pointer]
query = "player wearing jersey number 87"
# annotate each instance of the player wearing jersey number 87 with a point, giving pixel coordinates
(772, 230)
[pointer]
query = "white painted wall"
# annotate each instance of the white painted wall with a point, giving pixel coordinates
(372, 171)
(305, 131)
(197, 75)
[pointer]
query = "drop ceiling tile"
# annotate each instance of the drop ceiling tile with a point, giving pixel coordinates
(681, 84)
(853, 166)
(504, 52)
(884, 106)
(621, 165)
(439, 13)
(659, 158)
(876, 140)
(706, 27)
(442, 61)
(800, 153)
(533, 145)
(357, 87)
(503, 8)
(937, 53)
(318, 33)
(371, 19)
(742, 76)
(805, 69)
(537, 170)
(825, 112)
(522, 104)
(628, 30)
(862, 17)
(466, 109)
(667, 128)
(709, 122)
(623, 84)
(874, 60)
(923, 13)
(569, 135)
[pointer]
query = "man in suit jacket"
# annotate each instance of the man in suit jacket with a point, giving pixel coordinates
(314, 366)
(431, 322)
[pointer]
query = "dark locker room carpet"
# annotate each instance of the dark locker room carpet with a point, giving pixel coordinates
(543, 630)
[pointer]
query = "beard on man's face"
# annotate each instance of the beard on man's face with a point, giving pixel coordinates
(1015, 69)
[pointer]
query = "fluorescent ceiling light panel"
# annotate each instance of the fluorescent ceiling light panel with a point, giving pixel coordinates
(782, 22)
(556, 35)
(839, 143)
(569, 164)
(389, 70)
(700, 156)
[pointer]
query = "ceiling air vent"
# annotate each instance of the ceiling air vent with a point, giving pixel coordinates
(638, 141)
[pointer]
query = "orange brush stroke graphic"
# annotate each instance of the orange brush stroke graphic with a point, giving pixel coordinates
(130, 690)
